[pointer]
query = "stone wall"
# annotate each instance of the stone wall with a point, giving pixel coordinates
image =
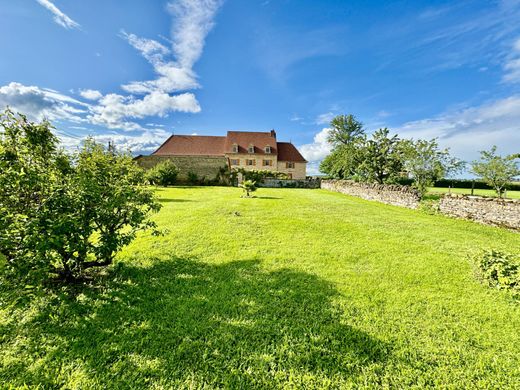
(491, 211)
(395, 195)
(290, 183)
(204, 166)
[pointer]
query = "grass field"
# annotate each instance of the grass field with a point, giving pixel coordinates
(293, 288)
(510, 194)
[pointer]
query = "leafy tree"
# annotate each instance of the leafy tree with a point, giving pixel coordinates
(381, 157)
(346, 135)
(426, 163)
(64, 213)
(497, 171)
(345, 130)
(163, 174)
(248, 186)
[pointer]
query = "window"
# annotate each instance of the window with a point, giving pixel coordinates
(250, 162)
(289, 164)
(267, 149)
(267, 163)
(251, 149)
(235, 148)
(235, 161)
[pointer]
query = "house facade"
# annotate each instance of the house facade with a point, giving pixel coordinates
(239, 149)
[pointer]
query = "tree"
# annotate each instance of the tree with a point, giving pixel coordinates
(426, 163)
(163, 174)
(381, 157)
(497, 171)
(345, 130)
(63, 213)
(346, 134)
(248, 186)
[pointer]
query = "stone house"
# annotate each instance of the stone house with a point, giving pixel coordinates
(204, 155)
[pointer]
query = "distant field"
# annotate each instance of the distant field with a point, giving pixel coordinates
(510, 194)
(299, 289)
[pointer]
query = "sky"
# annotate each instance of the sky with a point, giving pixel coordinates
(134, 72)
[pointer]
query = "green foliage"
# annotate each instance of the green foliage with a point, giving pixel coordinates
(193, 178)
(248, 186)
(426, 163)
(342, 162)
(500, 270)
(259, 175)
(381, 158)
(345, 130)
(163, 174)
(497, 171)
(64, 213)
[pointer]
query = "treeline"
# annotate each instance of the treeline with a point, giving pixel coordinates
(381, 158)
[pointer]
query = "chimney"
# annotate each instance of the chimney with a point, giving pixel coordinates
(273, 133)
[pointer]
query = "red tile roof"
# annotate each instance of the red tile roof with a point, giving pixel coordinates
(202, 145)
(245, 138)
(189, 145)
(288, 152)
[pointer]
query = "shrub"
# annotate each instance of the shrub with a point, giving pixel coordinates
(248, 186)
(500, 270)
(193, 178)
(259, 175)
(64, 213)
(163, 174)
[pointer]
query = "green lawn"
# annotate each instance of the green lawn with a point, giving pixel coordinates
(294, 288)
(510, 194)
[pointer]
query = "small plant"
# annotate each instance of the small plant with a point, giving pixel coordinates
(499, 270)
(192, 178)
(163, 174)
(248, 186)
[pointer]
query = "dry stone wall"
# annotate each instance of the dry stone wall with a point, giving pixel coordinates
(395, 195)
(491, 211)
(204, 166)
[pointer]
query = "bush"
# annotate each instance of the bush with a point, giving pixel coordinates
(248, 186)
(259, 175)
(193, 178)
(64, 213)
(500, 270)
(478, 184)
(163, 174)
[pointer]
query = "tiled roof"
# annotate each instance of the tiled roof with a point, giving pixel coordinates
(202, 145)
(288, 152)
(245, 138)
(190, 145)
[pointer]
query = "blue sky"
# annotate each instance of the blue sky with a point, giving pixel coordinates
(135, 71)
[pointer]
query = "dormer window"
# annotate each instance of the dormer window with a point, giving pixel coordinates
(251, 148)
(267, 149)
(235, 148)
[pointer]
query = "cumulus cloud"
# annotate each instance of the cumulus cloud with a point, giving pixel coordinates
(512, 66)
(192, 21)
(59, 17)
(38, 103)
(318, 149)
(112, 110)
(91, 94)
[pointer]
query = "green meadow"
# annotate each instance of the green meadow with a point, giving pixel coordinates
(290, 289)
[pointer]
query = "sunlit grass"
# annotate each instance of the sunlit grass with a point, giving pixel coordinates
(477, 192)
(293, 288)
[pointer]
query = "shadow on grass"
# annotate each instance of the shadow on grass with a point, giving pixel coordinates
(184, 323)
(174, 200)
(267, 197)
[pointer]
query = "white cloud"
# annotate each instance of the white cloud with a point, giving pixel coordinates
(192, 21)
(113, 110)
(318, 149)
(91, 94)
(472, 129)
(324, 119)
(38, 103)
(512, 66)
(59, 17)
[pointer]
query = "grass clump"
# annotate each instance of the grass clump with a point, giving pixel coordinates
(500, 270)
